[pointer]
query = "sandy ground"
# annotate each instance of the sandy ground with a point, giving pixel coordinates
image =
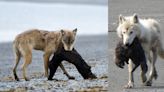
(92, 48)
(119, 77)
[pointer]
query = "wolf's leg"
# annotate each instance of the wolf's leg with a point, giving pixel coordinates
(131, 80)
(154, 59)
(27, 61)
(144, 69)
(46, 57)
(17, 59)
(65, 72)
(153, 73)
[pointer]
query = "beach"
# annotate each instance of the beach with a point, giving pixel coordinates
(119, 77)
(92, 48)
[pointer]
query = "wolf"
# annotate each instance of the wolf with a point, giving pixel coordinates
(149, 35)
(47, 41)
(134, 52)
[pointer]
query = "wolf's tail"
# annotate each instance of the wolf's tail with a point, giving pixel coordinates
(160, 49)
(17, 54)
(17, 58)
(15, 48)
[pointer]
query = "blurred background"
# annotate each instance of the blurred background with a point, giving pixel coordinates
(89, 16)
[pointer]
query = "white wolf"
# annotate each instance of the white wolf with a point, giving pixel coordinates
(148, 32)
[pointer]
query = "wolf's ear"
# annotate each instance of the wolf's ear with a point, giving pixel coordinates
(75, 31)
(135, 18)
(62, 32)
(121, 19)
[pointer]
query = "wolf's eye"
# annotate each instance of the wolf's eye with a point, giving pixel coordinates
(123, 32)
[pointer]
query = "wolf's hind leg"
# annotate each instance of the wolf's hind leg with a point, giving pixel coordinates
(65, 72)
(27, 61)
(17, 59)
(155, 75)
(144, 69)
(153, 72)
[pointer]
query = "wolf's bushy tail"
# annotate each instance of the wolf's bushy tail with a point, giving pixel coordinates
(17, 58)
(17, 53)
(15, 48)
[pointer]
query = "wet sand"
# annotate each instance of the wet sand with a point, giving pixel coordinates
(92, 48)
(119, 77)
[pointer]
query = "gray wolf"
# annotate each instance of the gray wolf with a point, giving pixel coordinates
(47, 41)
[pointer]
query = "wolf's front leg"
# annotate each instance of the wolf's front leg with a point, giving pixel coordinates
(144, 69)
(46, 57)
(131, 80)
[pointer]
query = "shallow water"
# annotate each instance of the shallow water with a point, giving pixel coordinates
(17, 17)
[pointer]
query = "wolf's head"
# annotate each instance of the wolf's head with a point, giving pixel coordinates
(68, 39)
(128, 28)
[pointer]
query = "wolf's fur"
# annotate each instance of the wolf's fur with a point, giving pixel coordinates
(46, 41)
(148, 32)
(134, 52)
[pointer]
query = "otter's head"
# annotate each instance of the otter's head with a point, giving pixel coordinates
(121, 55)
(68, 39)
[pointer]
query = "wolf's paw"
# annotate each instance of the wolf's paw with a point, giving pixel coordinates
(129, 85)
(147, 83)
(46, 75)
(144, 78)
(27, 79)
(17, 79)
(155, 75)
